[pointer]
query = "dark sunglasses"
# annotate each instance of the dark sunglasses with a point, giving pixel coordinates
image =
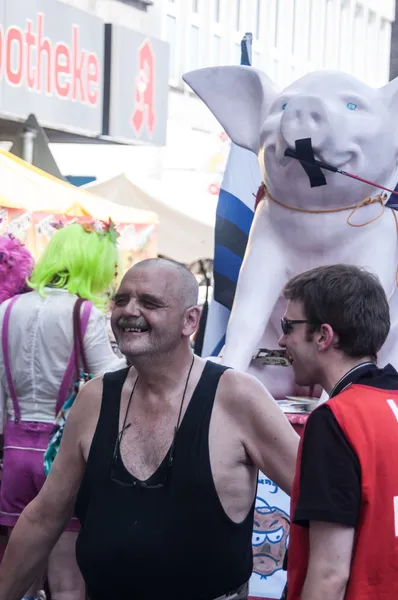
(137, 482)
(287, 324)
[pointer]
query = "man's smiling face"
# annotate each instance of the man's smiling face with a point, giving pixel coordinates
(147, 317)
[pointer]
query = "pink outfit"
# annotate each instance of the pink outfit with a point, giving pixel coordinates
(26, 441)
(23, 473)
(40, 340)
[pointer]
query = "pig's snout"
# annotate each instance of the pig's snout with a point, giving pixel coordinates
(306, 117)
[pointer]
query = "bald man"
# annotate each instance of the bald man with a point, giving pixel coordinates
(160, 459)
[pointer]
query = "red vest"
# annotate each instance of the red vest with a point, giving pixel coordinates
(366, 416)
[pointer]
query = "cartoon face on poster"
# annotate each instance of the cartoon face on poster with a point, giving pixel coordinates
(270, 539)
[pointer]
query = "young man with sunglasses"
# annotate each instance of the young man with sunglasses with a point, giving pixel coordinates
(344, 506)
(163, 460)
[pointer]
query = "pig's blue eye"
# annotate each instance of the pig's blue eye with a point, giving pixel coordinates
(284, 106)
(351, 106)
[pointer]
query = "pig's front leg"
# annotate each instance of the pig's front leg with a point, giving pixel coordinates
(261, 280)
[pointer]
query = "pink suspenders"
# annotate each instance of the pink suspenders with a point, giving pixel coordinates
(70, 369)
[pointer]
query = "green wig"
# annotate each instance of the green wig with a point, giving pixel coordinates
(80, 261)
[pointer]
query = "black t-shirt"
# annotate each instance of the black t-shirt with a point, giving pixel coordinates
(330, 476)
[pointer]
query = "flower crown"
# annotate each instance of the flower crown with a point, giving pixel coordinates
(102, 228)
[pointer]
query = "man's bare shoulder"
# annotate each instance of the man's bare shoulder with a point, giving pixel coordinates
(89, 394)
(269, 439)
(87, 406)
(240, 390)
(85, 412)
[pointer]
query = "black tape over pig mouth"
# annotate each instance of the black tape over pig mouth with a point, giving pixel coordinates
(305, 155)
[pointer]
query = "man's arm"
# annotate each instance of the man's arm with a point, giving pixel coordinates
(329, 562)
(44, 519)
(267, 435)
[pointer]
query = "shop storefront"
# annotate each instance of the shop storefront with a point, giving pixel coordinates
(84, 80)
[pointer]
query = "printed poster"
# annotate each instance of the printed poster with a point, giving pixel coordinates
(270, 540)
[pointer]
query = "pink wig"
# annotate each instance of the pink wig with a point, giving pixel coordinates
(16, 265)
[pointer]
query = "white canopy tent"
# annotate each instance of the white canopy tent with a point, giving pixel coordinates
(180, 236)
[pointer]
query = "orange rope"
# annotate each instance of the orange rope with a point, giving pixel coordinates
(380, 199)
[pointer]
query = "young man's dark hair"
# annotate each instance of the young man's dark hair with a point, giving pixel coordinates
(351, 300)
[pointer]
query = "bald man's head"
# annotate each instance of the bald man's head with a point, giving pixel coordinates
(155, 309)
(187, 286)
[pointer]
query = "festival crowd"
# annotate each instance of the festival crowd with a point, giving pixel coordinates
(130, 468)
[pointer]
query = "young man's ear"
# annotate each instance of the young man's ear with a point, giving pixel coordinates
(325, 337)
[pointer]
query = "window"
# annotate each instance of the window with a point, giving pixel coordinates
(216, 50)
(195, 6)
(301, 18)
(238, 16)
(217, 11)
(258, 19)
(171, 30)
(384, 51)
(371, 49)
(310, 28)
(194, 47)
(329, 34)
(140, 4)
(358, 42)
(276, 23)
(345, 33)
(294, 19)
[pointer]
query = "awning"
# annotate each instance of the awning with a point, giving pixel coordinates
(25, 187)
(180, 236)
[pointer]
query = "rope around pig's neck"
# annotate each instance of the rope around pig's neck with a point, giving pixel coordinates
(379, 199)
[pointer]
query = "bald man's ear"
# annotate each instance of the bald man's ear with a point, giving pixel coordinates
(191, 320)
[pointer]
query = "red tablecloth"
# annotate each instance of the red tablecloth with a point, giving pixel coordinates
(298, 421)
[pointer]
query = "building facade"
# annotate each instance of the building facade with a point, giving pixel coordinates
(291, 37)
(84, 76)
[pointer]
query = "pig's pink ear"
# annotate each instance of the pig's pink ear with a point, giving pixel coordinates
(239, 97)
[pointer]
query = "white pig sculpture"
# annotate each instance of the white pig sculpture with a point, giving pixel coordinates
(351, 126)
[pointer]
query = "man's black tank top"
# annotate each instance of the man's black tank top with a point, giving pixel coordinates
(174, 542)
